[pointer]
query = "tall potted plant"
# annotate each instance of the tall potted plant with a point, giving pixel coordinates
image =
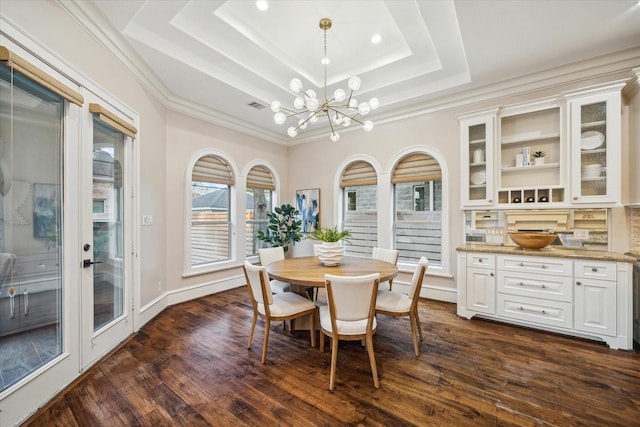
(331, 251)
(283, 229)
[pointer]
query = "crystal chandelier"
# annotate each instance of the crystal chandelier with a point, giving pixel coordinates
(340, 110)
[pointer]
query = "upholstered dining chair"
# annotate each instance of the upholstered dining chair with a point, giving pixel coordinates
(350, 316)
(394, 303)
(277, 307)
(388, 255)
(269, 255)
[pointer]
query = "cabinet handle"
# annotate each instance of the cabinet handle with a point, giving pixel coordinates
(12, 306)
(594, 269)
(491, 274)
(26, 302)
(543, 312)
(480, 260)
(543, 266)
(575, 197)
(520, 264)
(543, 286)
(490, 201)
(579, 283)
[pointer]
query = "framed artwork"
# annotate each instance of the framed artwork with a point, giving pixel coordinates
(46, 210)
(308, 203)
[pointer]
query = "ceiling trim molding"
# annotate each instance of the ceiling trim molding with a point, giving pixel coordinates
(87, 16)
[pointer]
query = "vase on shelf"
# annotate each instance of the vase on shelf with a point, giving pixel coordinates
(538, 161)
(331, 253)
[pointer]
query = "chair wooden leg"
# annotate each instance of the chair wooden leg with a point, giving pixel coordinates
(321, 341)
(372, 361)
(334, 362)
(414, 333)
(267, 327)
(312, 327)
(253, 328)
(418, 324)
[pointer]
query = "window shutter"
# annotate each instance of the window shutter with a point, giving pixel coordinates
(110, 119)
(260, 177)
(359, 173)
(417, 167)
(212, 169)
(23, 66)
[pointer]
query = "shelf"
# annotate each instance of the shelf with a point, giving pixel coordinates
(478, 141)
(593, 124)
(478, 164)
(477, 185)
(528, 138)
(596, 151)
(599, 178)
(509, 169)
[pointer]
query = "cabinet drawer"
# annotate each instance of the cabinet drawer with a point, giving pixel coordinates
(481, 260)
(552, 313)
(534, 264)
(590, 269)
(556, 288)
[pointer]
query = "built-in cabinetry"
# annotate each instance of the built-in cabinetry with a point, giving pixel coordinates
(577, 296)
(477, 136)
(30, 295)
(546, 153)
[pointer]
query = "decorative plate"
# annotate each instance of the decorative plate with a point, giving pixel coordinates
(591, 140)
(478, 178)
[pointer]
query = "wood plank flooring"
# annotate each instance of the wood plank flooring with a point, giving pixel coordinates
(190, 367)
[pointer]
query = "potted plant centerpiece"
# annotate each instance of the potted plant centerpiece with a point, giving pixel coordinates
(331, 251)
(283, 229)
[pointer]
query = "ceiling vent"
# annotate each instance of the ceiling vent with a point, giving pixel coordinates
(257, 105)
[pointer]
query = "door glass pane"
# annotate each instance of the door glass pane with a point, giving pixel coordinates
(31, 211)
(593, 151)
(108, 247)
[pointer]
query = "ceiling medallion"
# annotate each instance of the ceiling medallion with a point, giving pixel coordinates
(340, 110)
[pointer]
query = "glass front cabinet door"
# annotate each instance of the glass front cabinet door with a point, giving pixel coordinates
(477, 139)
(595, 126)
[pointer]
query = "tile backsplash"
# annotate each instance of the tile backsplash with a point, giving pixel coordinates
(635, 230)
(576, 228)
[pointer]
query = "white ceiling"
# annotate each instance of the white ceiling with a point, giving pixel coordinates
(214, 58)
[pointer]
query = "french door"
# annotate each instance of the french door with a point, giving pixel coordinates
(106, 242)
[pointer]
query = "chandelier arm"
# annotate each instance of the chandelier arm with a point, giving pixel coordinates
(333, 131)
(315, 113)
(347, 115)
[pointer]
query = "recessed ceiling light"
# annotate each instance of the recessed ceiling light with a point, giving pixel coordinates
(376, 38)
(262, 5)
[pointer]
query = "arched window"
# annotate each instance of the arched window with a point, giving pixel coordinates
(359, 185)
(260, 187)
(417, 184)
(211, 181)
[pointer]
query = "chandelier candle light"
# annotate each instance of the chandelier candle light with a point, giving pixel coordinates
(340, 110)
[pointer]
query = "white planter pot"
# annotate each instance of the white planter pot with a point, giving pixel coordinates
(538, 161)
(331, 253)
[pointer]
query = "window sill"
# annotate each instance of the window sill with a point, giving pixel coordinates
(211, 268)
(432, 270)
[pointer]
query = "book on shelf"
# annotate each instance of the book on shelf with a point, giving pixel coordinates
(526, 156)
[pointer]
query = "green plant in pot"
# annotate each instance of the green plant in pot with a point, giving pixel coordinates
(538, 157)
(331, 251)
(284, 228)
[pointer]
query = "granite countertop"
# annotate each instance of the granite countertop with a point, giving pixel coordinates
(548, 252)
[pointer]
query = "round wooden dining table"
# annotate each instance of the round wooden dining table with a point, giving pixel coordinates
(309, 271)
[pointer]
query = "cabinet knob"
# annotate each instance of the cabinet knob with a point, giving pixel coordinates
(579, 283)
(521, 264)
(490, 201)
(491, 274)
(594, 269)
(575, 197)
(543, 266)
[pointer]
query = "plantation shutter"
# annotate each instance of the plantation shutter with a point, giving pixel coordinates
(359, 173)
(260, 177)
(110, 119)
(417, 167)
(34, 73)
(213, 169)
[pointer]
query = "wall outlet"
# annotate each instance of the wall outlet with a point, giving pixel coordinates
(147, 220)
(579, 233)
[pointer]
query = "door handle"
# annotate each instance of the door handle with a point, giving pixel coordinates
(86, 263)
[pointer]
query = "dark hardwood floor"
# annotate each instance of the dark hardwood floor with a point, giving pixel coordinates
(190, 366)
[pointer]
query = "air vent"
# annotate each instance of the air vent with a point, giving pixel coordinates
(257, 105)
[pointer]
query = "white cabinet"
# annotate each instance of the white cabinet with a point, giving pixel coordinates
(589, 298)
(477, 270)
(595, 297)
(596, 143)
(526, 131)
(477, 136)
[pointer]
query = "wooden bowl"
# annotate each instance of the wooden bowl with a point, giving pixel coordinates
(532, 239)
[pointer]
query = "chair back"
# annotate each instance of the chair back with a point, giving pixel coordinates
(418, 276)
(258, 283)
(352, 298)
(269, 255)
(388, 255)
